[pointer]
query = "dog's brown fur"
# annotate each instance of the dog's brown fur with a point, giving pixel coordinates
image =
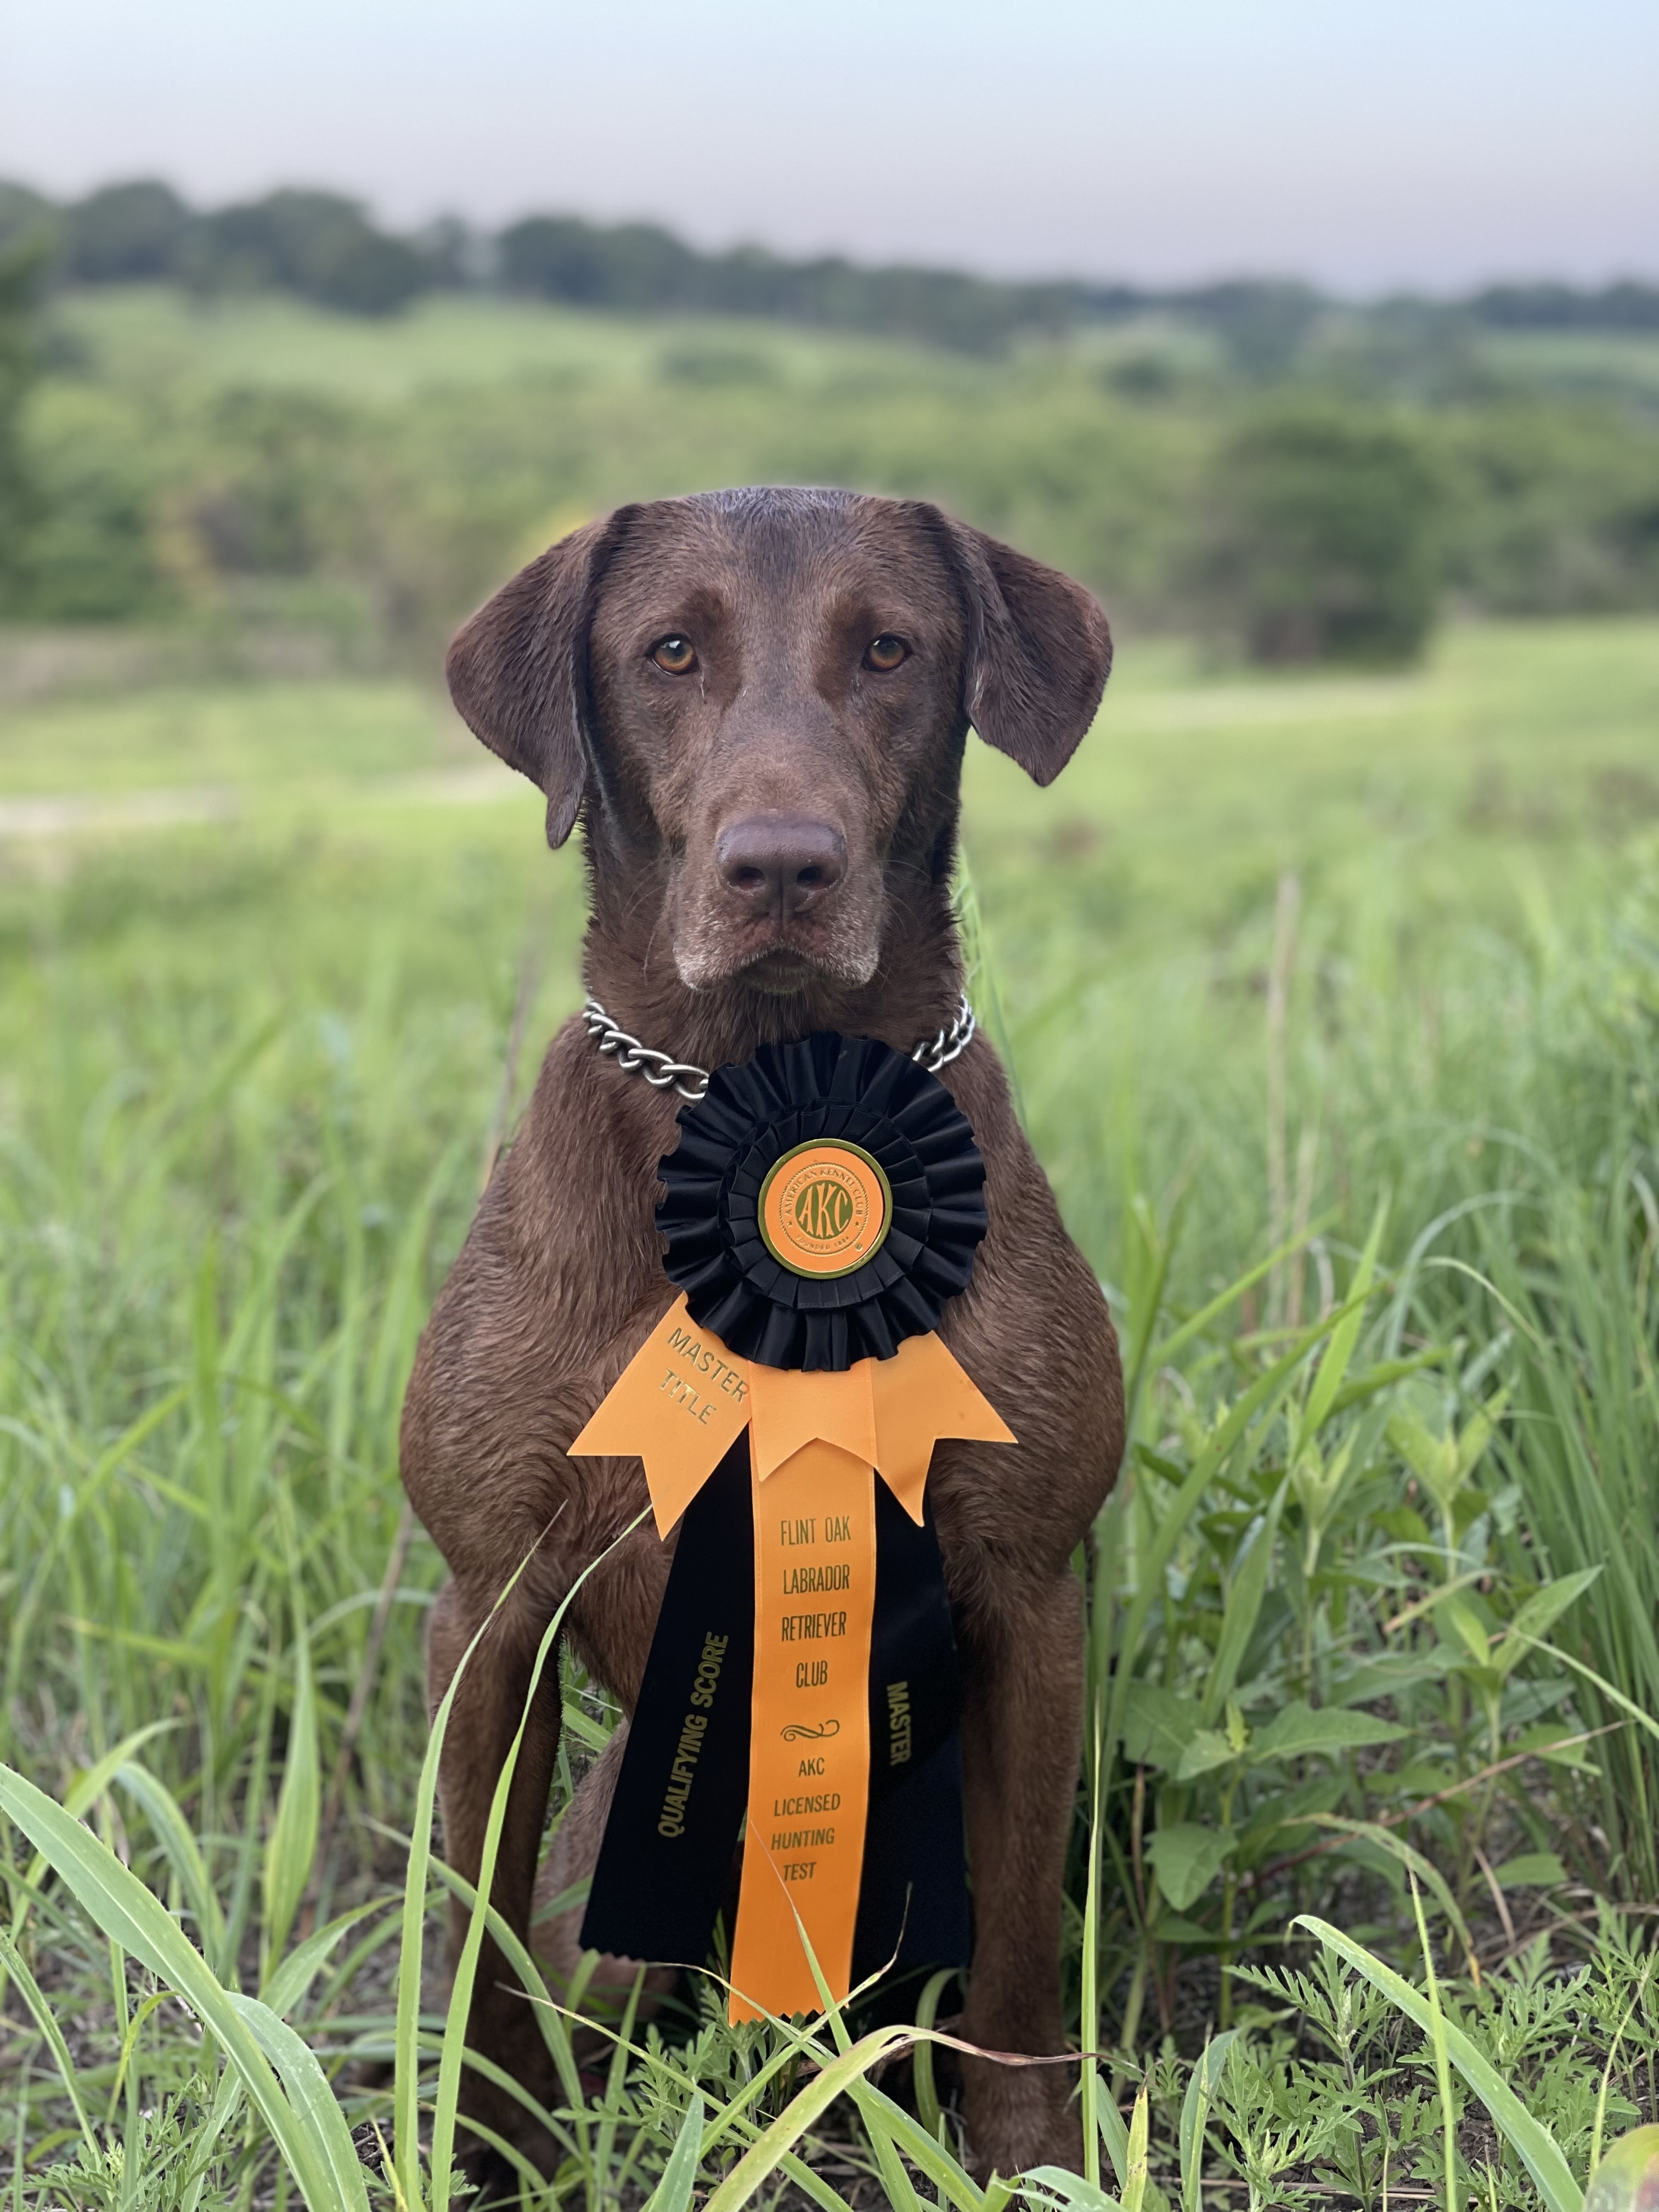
(769, 841)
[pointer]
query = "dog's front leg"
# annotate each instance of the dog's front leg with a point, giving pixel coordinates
(489, 1705)
(1022, 1661)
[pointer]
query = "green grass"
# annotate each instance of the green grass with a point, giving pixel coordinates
(149, 336)
(1344, 1628)
(152, 335)
(1509, 766)
(273, 736)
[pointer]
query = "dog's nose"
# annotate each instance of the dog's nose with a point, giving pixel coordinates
(781, 863)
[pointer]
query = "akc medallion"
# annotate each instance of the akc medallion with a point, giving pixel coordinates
(825, 1208)
(825, 1200)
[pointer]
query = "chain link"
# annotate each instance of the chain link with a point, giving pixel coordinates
(663, 1072)
(935, 1052)
(659, 1070)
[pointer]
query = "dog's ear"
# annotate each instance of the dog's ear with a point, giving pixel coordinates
(1039, 652)
(518, 670)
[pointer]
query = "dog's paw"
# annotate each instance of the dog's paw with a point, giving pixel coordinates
(1020, 2118)
(488, 2174)
(500, 2179)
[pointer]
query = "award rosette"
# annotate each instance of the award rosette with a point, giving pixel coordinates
(826, 1199)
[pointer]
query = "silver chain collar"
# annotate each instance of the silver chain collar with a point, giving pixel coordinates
(664, 1074)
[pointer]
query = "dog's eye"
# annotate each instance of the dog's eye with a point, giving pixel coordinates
(675, 654)
(886, 653)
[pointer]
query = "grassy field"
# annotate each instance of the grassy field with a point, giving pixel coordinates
(149, 335)
(1363, 972)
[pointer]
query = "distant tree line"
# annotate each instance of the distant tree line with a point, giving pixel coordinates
(315, 243)
(325, 248)
(1626, 307)
(1318, 494)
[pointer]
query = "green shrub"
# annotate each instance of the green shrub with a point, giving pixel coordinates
(92, 553)
(316, 244)
(1326, 535)
(124, 233)
(1556, 508)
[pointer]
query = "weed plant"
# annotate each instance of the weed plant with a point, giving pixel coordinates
(1363, 1864)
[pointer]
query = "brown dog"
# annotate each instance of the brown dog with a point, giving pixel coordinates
(756, 703)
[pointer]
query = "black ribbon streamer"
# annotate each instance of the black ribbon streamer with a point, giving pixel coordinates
(655, 1895)
(913, 1893)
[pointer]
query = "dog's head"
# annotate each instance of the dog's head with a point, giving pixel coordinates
(757, 701)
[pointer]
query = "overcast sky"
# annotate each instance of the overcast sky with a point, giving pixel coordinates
(1365, 143)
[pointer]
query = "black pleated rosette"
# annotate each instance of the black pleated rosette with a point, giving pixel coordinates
(827, 1087)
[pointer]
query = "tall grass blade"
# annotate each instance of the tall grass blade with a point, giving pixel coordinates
(406, 2048)
(1090, 2086)
(289, 1985)
(1134, 2179)
(87, 1786)
(447, 2104)
(227, 2102)
(1610, 1690)
(46, 2021)
(679, 2177)
(1196, 2113)
(291, 1845)
(762, 2159)
(1338, 1357)
(183, 1854)
(315, 2106)
(1115, 2134)
(928, 2111)
(1438, 2041)
(922, 2147)
(1242, 1609)
(1045, 2186)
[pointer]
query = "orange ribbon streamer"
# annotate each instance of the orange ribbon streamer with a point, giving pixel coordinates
(816, 1442)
